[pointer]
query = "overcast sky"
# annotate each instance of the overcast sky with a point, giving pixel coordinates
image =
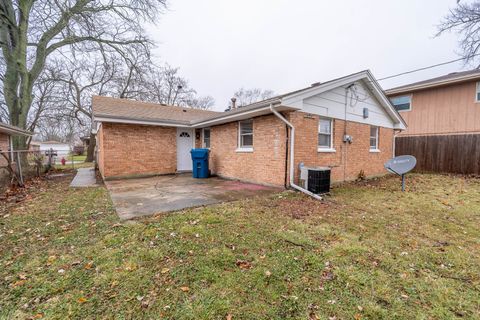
(223, 45)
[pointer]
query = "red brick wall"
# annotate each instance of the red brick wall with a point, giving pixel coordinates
(135, 150)
(349, 159)
(130, 150)
(266, 164)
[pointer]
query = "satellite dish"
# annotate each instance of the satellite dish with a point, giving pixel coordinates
(400, 166)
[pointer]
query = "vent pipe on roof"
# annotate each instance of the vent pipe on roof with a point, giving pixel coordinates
(234, 103)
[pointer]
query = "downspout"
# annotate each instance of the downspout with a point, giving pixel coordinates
(292, 157)
(345, 131)
(10, 140)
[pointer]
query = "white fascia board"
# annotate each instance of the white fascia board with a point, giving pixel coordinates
(380, 95)
(294, 98)
(240, 116)
(142, 122)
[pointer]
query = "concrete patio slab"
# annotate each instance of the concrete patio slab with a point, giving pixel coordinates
(134, 198)
(85, 177)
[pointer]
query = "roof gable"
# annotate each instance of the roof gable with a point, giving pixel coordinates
(367, 82)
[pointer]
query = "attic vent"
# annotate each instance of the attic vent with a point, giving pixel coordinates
(316, 84)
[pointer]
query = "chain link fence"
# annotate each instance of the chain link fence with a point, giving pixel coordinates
(17, 166)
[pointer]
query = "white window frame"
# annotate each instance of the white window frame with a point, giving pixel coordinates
(377, 133)
(324, 148)
(209, 138)
(410, 103)
(241, 148)
(477, 91)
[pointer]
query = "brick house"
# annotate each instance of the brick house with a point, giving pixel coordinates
(347, 124)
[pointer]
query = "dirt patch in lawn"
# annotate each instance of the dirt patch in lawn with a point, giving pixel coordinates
(301, 207)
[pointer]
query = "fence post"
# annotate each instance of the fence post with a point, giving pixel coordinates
(19, 169)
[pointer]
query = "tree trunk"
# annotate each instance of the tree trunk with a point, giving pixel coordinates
(91, 148)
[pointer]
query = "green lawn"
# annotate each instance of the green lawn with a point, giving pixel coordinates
(69, 166)
(366, 252)
(76, 157)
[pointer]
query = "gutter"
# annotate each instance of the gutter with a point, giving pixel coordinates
(15, 131)
(430, 85)
(292, 157)
(162, 123)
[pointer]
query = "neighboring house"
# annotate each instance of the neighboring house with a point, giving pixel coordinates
(443, 118)
(254, 143)
(6, 133)
(61, 149)
(6, 144)
(85, 142)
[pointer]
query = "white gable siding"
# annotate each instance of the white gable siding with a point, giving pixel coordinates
(331, 104)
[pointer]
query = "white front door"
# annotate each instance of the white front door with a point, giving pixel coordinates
(185, 141)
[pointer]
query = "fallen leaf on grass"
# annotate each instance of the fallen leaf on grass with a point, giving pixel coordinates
(131, 267)
(18, 283)
(51, 260)
(242, 264)
(164, 270)
(88, 266)
(82, 300)
(185, 289)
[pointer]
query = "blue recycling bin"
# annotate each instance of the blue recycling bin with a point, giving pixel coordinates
(200, 163)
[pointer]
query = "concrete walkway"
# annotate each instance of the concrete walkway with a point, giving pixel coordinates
(85, 178)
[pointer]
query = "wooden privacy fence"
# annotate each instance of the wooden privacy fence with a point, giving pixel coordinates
(442, 153)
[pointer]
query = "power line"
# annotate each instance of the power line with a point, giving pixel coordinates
(425, 68)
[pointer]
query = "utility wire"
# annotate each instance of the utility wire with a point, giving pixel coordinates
(425, 68)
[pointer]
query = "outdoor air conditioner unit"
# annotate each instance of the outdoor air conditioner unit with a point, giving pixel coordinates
(315, 180)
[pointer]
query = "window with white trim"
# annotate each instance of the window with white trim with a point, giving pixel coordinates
(404, 103)
(325, 134)
(206, 138)
(245, 134)
(477, 92)
(373, 138)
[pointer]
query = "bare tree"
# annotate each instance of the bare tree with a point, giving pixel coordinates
(168, 87)
(202, 103)
(78, 81)
(464, 19)
(31, 31)
(248, 96)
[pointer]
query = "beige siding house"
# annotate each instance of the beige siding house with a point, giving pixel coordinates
(445, 105)
(443, 117)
